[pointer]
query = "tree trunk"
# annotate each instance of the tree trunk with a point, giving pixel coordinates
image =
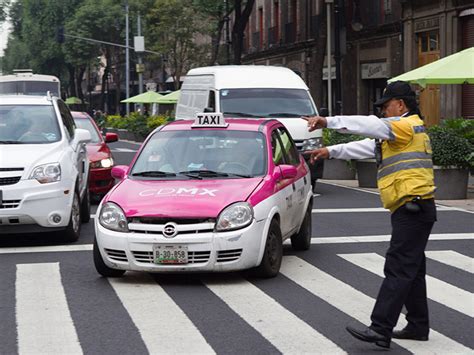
(72, 80)
(216, 40)
(320, 52)
(241, 19)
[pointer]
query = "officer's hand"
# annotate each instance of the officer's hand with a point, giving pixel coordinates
(316, 154)
(315, 122)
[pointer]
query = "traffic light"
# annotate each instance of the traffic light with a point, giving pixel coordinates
(60, 34)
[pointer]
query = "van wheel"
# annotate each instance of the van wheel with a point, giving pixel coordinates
(73, 229)
(302, 239)
(100, 266)
(273, 253)
(86, 206)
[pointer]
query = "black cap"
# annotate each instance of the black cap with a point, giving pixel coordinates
(396, 90)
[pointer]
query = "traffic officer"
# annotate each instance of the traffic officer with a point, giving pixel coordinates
(406, 184)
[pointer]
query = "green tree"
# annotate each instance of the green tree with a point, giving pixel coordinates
(242, 11)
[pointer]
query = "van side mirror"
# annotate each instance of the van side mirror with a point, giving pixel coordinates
(209, 109)
(324, 112)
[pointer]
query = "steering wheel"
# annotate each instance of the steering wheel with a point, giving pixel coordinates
(236, 168)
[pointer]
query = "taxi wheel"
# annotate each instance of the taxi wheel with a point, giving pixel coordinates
(302, 239)
(100, 266)
(86, 207)
(73, 229)
(272, 255)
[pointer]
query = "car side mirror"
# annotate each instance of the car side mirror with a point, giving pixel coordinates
(82, 135)
(323, 112)
(209, 109)
(119, 172)
(111, 137)
(285, 171)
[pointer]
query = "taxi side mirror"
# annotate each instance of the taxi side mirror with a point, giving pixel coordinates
(119, 171)
(111, 137)
(285, 171)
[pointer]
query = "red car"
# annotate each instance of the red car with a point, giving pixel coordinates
(99, 154)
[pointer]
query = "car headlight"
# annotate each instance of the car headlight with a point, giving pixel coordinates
(312, 143)
(104, 163)
(235, 216)
(112, 217)
(47, 173)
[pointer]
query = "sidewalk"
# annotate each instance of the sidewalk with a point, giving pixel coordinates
(466, 204)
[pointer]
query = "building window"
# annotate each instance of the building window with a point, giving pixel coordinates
(428, 42)
(387, 6)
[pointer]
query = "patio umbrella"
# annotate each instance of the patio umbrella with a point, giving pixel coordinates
(457, 68)
(73, 100)
(145, 98)
(170, 98)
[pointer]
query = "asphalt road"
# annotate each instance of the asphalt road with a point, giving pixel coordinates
(53, 301)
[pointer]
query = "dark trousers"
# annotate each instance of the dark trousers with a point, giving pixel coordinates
(405, 269)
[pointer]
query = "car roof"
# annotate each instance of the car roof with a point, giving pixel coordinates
(25, 100)
(235, 124)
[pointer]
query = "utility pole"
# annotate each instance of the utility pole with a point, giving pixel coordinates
(337, 54)
(328, 54)
(127, 60)
(140, 60)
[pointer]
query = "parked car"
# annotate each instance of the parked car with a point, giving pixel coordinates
(206, 195)
(99, 154)
(44, 169)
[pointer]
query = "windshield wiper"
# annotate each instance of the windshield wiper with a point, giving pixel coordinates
(154, 173)
(242, 114)
(284, 114)
(240, 175)
(11, 142)
(203, 173)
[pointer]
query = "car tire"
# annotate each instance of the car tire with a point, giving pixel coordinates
(86, 206)
(100, 266)
(302, 239)
(273, 253)
(73, 229)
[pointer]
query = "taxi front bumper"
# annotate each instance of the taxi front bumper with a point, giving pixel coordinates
(207, 251)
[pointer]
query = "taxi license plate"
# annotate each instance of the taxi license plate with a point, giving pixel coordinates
(170, 254)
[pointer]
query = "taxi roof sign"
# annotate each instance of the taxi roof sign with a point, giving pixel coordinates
(209, 119)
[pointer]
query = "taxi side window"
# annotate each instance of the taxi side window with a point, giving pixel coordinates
(68, 121)
(292, 155)
(277, 151)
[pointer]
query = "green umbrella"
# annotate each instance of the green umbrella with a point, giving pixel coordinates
(145, 98)
(170, 98)
(73, 101)
(458, 68)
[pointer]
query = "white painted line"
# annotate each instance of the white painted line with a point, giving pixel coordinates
(316, 195)
(439, 291)
(47, 249)
(163, 326)
(349, 187)
(283, 329)
(44, 323)
(386, 238)
(358, 305)
(452, 258)
(374, 209)
(124, 150)
(92, 216)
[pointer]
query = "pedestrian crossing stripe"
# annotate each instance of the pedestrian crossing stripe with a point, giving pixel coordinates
(44, 323)
(452, 258)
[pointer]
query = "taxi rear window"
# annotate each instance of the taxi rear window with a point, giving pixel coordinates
(227, 152)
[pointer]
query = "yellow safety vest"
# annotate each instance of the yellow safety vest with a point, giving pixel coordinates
(406, 170)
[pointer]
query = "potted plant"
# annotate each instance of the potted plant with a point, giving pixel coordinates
(453, 155)
(336, 169)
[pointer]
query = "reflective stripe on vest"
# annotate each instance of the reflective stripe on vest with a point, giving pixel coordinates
(404, 156)
(414, 164)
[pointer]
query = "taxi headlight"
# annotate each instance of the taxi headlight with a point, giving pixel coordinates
(235, 216)
(47, 173)
(112, 217)
(104, 163)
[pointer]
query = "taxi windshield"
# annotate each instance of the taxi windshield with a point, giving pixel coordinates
(266, 102)
(28, 124)
(202, 154)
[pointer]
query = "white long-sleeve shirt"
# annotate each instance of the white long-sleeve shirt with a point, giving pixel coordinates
(369, 126)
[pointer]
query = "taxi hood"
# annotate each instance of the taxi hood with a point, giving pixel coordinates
(180, 198)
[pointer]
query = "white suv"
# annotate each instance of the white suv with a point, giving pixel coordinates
(43, 167)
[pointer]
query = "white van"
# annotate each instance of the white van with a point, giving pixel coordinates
(253, 91)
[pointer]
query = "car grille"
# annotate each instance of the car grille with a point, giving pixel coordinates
(228, 255)
(194, 257)
(9, 180)
(12, 169)
(183, 227)
(117, 255)
(9, 204)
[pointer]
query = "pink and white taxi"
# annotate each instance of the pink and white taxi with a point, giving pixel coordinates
(206, 195)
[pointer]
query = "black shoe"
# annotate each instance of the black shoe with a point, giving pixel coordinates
(408, 334)
(370, 336)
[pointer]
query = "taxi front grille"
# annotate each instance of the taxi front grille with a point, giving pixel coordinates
(228, 255)
(194, 257)
(9, 180)
(163, 221)
(6, 204)
(181, 228)
(116, 255)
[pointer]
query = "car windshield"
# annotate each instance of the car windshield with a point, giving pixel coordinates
(88, 125)
(202, 154)
(25, 87)
(28, 124)
(266, 102)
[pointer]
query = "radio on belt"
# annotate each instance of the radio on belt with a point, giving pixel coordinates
(209, 119)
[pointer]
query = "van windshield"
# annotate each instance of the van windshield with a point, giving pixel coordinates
(266, 102)
(28, 124)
